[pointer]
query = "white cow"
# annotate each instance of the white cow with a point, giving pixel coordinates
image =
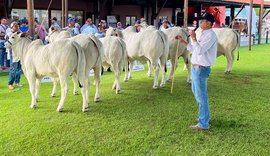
(148, 45)
(115, 55)
(93, 53)
(57, 60)
(182, 51)
(228, 42)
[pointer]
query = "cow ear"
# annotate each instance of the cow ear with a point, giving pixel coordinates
(24, 34)
(53, 28)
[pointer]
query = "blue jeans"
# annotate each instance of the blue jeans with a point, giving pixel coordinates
(3, 56)
(199, 89)
(14, 72)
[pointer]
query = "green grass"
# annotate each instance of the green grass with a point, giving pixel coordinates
(143, 121)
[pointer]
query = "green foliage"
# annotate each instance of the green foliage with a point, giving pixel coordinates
(143, 121)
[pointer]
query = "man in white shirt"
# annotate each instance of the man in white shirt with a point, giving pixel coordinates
(204, 53)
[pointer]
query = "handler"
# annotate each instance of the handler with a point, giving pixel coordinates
(204, 53)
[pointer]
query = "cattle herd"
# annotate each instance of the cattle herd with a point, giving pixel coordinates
(76, 56)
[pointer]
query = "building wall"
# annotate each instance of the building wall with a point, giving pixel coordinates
(127, 10)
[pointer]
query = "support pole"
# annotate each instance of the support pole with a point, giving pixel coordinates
(250, 24)
(260, 22)
(30, 15)
(66, 12)
(185, 14)
(63, 23)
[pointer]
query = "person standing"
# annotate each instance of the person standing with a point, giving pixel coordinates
(71, 27)
(15, 65)
(204, 53)
(40, 31)
(54, 23)
(3, 54)
(24, 25)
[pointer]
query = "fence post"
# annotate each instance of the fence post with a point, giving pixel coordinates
(267, 36)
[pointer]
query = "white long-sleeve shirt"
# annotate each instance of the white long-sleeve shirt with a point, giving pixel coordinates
(204, 51)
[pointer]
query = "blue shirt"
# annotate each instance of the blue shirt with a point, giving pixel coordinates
(24, 29)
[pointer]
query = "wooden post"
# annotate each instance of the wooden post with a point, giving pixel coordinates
(260, 22)
(30, 14)
(66, 12)
(63, 14)
(250, 24)
(185, 24)
(267, 36)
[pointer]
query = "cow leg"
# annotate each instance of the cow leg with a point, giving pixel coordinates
(130, 70)
(75, 82)
(186, 59)
(149, 73)
(53, 94)
(174, 67)
(85, 94)
(156, 67)
(37, 89)
(64, 90)
(97, 72)
(117, 76)
(126, 70)
(163, 61)
(32, 88)
(229, 63)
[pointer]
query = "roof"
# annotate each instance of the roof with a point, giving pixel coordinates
(257, 2)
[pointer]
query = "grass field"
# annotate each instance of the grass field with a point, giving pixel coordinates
(143, 121)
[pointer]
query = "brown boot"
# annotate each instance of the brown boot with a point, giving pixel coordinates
(10, 87)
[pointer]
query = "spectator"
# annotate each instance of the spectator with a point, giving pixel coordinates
(90, 28)
(3, 55)
(40, 30)
(100, 33)
(24, 25)
(15, 65)
(54, 23)
(71, 27)
(104, 25)
(165, 25)
(119, 26)
(87, 22)
(138, 25)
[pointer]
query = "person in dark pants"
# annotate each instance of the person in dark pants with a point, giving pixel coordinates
(204, 53)
(15, 65)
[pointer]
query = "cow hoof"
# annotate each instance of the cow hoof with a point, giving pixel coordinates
(169, 80)
(76, 93)
(85, 110)
(162, 85)
(118, 92)
(155, 87)
(33, 106)
(114, 87)
(53, 95)
(59, 110)
(97, 99)
(188, 81)
(149, 75)
(125, 80)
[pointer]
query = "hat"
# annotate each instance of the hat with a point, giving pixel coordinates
(71, 19)
(54, 18)
(24, 20)
(165, 20)
(13, 24)
(208, 17)
(138, 22)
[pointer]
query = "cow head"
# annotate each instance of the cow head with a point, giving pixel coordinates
(114, 32)
(14, 38)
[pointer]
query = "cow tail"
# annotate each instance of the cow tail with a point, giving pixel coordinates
(81, 64)
(238, 43)
(99, 46)
(164, 38)
(124, 48)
